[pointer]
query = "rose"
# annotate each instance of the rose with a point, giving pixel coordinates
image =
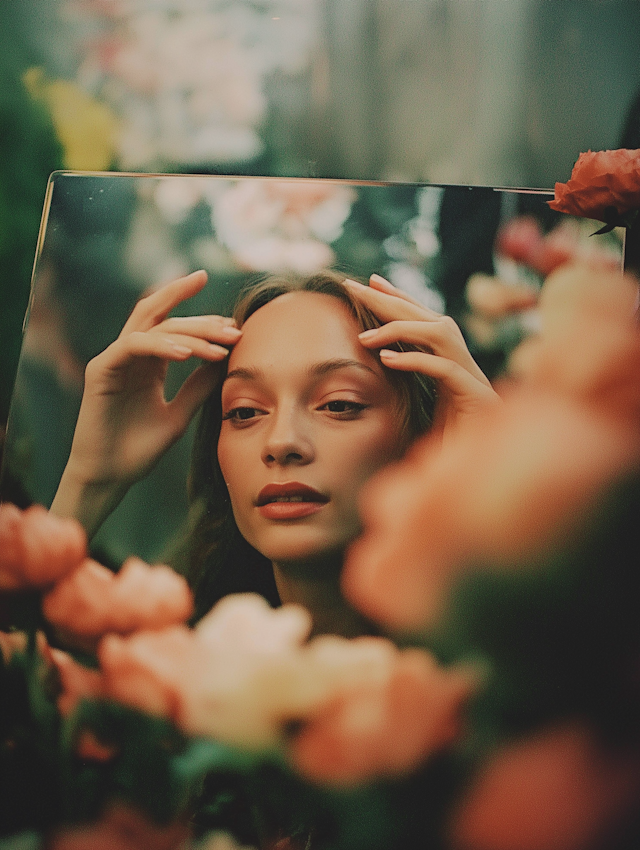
(385, 727)
(37, 548)
(601, 182)
(93, 600)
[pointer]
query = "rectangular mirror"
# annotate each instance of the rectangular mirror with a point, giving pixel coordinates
(106, 238)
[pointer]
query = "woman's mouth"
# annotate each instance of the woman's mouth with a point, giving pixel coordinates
(290, 500)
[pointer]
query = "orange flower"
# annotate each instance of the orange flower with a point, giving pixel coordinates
(600, 181)
(93, 600)
(559, 789)
(76, 681)
(37, 548)
(385, 727)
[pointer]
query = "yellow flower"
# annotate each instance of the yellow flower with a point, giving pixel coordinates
(86, 128)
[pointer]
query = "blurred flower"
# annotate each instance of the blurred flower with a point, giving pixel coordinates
(76, 681)
(37, 548)
(11, 642)
(279, 226)
(93, 600)
(506, 493)
(559, 789)
(601, 183)
(386, 727)
(86, 128)
(242, 674)
(121, 827)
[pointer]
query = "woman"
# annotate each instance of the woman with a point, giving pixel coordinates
(313, 401)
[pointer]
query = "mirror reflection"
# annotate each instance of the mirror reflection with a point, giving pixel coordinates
(478, 254)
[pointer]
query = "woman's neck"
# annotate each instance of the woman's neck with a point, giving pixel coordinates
(322, 597)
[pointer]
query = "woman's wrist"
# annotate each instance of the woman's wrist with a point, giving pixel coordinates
(89, 501)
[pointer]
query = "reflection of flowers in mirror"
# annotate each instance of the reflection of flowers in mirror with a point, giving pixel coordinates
(282, 225)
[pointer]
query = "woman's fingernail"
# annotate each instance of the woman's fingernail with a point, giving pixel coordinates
(182, 349)
(388, 354)
(350, 282)
(230, 332)
(368, 334)
(379, 279)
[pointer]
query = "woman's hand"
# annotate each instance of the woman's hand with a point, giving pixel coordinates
(464, 391)
(125, 423)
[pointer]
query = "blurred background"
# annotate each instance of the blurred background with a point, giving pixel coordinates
(483, 92)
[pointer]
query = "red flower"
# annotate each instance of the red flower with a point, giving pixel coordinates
(93, 601)
(601, 180)
(37, 548)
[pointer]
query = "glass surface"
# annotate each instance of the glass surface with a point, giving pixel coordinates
(106, 238)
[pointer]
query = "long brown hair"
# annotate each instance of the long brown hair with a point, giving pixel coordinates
(219, 560)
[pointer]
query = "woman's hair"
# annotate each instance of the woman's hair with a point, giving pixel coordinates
(219, 559)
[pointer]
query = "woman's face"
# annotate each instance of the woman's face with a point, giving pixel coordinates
(308, 417)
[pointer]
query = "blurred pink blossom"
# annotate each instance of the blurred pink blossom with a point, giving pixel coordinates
(76, 681)
(385, 727)
(559, 789)
(37, 548)
(93, 600)
(242, 674)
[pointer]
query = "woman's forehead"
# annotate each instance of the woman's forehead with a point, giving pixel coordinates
(301, 326)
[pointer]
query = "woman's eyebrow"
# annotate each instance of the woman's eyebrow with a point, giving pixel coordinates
(318, 370)
(328, 366)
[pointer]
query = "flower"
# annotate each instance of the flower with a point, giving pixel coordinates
(92, 600)
(242, 674)
(76, 681)
(507, 492)
(121, 827)
(37, 548)
(601, 183)
(385, 727)
(558, 789)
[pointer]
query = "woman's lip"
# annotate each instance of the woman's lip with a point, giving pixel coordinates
(289, 510)
(279, 494)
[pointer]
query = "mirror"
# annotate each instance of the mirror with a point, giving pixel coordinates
(106, 238)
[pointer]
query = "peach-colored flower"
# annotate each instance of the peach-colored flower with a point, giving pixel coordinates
(601, 180)
(507, 492)
(588, 346)
(37, 548)
(11, 642)
(242, 674)
(93, 600)
(559, 789)
(75, 680)
(121, 827)
(386, 727)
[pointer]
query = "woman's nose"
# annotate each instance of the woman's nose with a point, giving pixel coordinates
(287, 441)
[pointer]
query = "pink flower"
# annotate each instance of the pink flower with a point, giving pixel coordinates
(557, 790)
(37, 548)
(600, 180)
(507, 492)
(93, 600)
(76, 681)
(385, 727)
(242, 674)
(121, 828)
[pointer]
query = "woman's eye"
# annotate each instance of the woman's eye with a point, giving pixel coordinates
(241, 414)
(344, 407)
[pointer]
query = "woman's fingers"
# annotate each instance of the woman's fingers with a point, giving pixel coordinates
(442, 337)
(456, 379)
(212, 328)
(153, 308)
(391, 304)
